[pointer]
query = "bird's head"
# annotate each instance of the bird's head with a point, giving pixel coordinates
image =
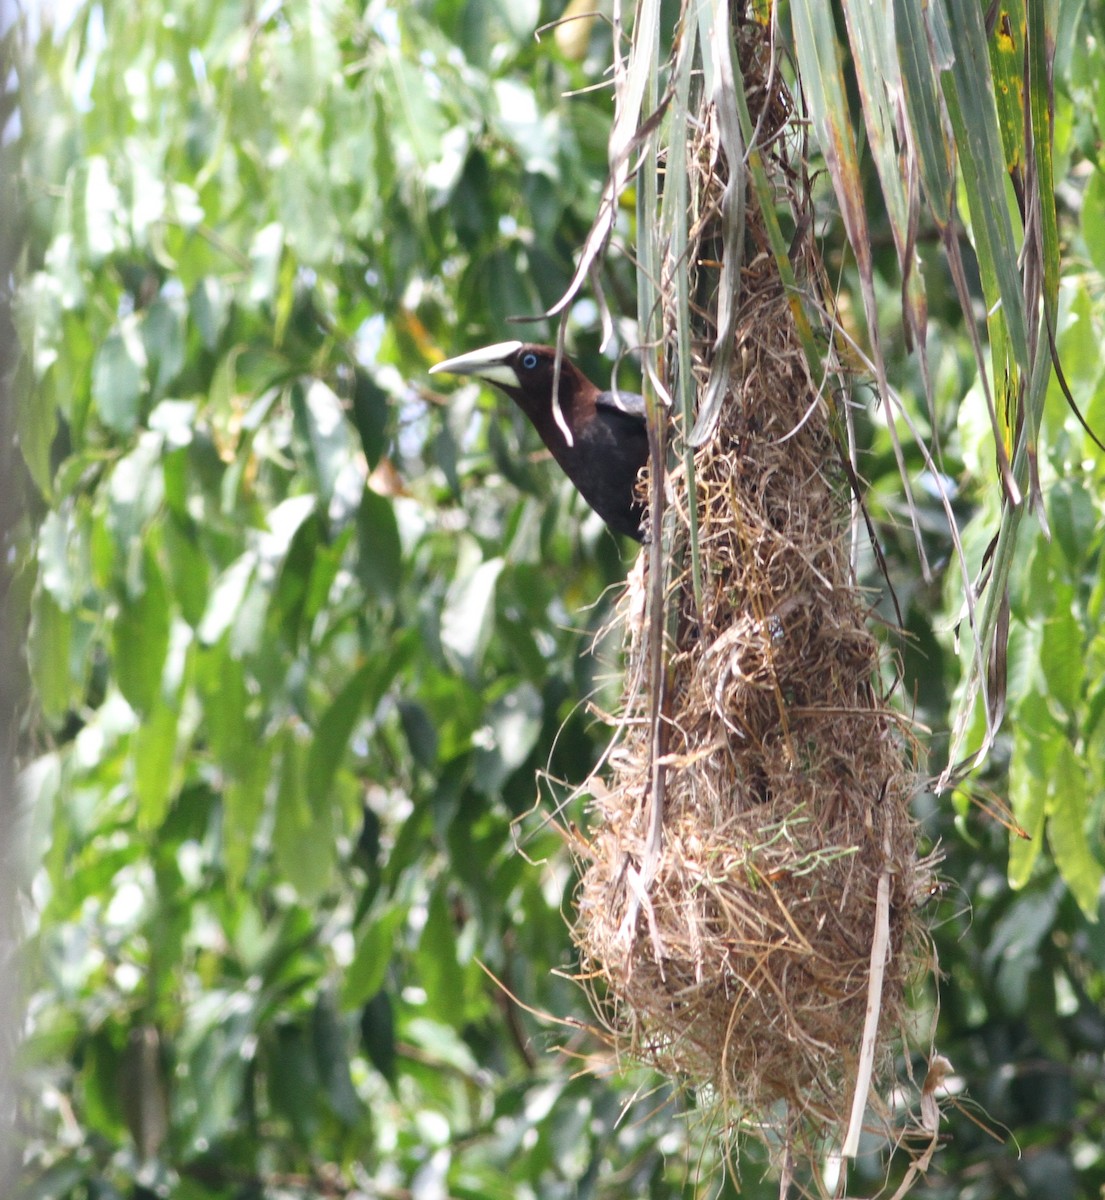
(521, 369)
(598, 438)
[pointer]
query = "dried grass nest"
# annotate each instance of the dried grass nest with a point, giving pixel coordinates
(736, 954)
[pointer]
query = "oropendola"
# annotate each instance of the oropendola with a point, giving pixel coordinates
(609, 442)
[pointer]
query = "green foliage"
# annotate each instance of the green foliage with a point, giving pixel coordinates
(286, 720)
(1019, 936)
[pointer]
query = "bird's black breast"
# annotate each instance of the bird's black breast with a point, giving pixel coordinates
(611, 446)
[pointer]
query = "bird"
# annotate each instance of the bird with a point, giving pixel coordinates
(609, 434)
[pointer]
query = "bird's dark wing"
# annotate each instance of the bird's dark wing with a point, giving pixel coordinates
(629, 404)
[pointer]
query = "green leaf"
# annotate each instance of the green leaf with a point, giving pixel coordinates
(331, 440)
(439, 970)
(333, 732)
(119, 378)
(265, 252)
(210, 309)
(1023, 659)
(135, 494)
(37, 423)
(216, 1042)
(328, 568)
(226, 599)
(1028, 800)
(420, 116)
(1067, 832)
(1007, 56)
(1041, 31)
(507, 280)
(163, 341)
(243, 805)
(63, 1178)
(290, 593)
(870, 37)
(974, 117)
(379, 550)
(469, 612)
(375, 938)
(49, 649)
(513, 725)
(421, 733)
(220, 680)
(371, 415)
(96, 208)
(823, 84)
(154, 749)
(332, 1054)
(188, 567)
(140, 638)
(1013, 951)
(37, 792)
(378, 1034)
(63, 563)
(1093, 219)
(1073, 520)
(101, 1071)
(283, 524)
(1061, 655)
(303, 832)
(1038, 736)
(293, 1080)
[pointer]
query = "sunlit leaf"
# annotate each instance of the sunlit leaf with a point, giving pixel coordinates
(330, 437)
(163, 341)
(134, 495)
(468, 613)
(226, 598)
(1068, 811)
(1028, 799)
(119, 377)
(96, 208)
(210, 308)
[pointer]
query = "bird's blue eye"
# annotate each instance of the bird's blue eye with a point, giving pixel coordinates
(529, 361)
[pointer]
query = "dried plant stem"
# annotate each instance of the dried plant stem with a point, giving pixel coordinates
(880, 946)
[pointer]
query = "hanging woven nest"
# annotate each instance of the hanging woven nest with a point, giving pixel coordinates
(750, 879)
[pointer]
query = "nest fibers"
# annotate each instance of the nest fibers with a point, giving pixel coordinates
(739, 939)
